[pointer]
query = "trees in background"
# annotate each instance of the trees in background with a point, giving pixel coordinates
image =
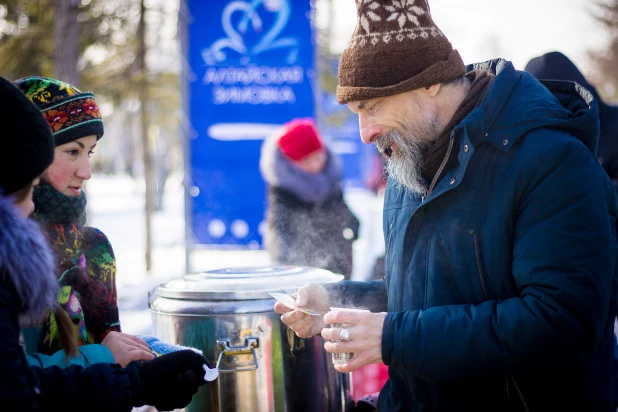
(126, 52)
(606, 70)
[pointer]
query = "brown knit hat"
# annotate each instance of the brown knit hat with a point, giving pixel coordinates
(396, 47)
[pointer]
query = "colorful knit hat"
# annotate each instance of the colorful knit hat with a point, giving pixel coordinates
(396, 47)
(299, 138)
(28, 148)
(70, 113)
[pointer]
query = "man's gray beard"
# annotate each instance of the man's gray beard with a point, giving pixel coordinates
(404, 165)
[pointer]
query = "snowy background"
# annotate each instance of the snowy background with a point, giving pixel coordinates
(116, 207)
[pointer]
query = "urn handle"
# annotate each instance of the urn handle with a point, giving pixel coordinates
(251, 343)
(152, 293)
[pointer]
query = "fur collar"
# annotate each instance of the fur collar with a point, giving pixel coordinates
(27, 262)
(279, 171)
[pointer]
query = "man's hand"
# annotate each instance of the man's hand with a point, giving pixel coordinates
(126, 348)
(311, 296)
(365, 337)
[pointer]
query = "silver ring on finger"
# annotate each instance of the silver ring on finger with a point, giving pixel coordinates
(344, 335)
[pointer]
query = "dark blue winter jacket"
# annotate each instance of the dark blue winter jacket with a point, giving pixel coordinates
(500, 283)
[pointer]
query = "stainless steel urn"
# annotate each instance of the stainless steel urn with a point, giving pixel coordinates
(263, 365)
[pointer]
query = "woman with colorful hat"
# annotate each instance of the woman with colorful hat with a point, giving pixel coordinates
(86, 266)
(29, 286)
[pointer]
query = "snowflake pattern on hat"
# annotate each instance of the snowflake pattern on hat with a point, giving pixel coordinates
(404, 11)
(397, 19)
(367, 12)
(396, 47)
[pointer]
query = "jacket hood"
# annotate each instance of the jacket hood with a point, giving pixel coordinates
(279, 171)
(556, 66)
(517, 103)
(27, 262)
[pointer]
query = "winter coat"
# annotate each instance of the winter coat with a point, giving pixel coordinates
(308, 221)
(86, 270)
(501, 282)
(556, 65)
(28, 287)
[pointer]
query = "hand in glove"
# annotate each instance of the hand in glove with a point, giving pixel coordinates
(170, 381)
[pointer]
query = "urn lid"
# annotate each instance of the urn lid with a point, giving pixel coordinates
(244, 283)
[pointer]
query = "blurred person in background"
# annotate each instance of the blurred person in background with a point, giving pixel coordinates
(308, 221)
(377, 176)
(557, 66)
(499, 225)
(28, 290)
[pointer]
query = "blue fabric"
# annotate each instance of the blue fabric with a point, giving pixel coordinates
(501, 283)
(159, 347)
(88, 355)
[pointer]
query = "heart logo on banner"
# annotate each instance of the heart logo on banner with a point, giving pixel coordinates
(235, 35)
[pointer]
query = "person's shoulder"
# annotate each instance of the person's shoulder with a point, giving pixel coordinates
(556, 152)
(94, 232)
(547, 142)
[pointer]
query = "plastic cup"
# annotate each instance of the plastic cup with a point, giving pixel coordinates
(343, 357)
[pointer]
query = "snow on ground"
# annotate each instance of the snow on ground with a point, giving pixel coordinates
(116, 207)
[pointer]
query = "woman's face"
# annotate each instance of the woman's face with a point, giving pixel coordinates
(71, 166)
(314, 163)
(24, 201)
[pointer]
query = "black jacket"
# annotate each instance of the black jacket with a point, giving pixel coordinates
(308, 222)
(311, 234)
(28, 287)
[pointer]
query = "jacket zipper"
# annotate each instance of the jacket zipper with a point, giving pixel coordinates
(479, 268)
(477, 254)
(386, 259)
(521, 397)
(434, 181)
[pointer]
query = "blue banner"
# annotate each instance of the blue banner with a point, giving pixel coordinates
(253, 63)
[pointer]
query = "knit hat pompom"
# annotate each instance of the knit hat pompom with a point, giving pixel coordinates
(396, 47)
(70, 113)
(299, 138)
(27, 144)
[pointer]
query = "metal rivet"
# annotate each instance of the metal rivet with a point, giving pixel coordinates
(466, 148)
(453, 180)
(486, 134)
(471, 232)
(505, 142)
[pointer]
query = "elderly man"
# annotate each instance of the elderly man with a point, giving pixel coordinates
(499, 225)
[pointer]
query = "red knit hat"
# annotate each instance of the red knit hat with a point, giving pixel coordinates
(299, 138)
